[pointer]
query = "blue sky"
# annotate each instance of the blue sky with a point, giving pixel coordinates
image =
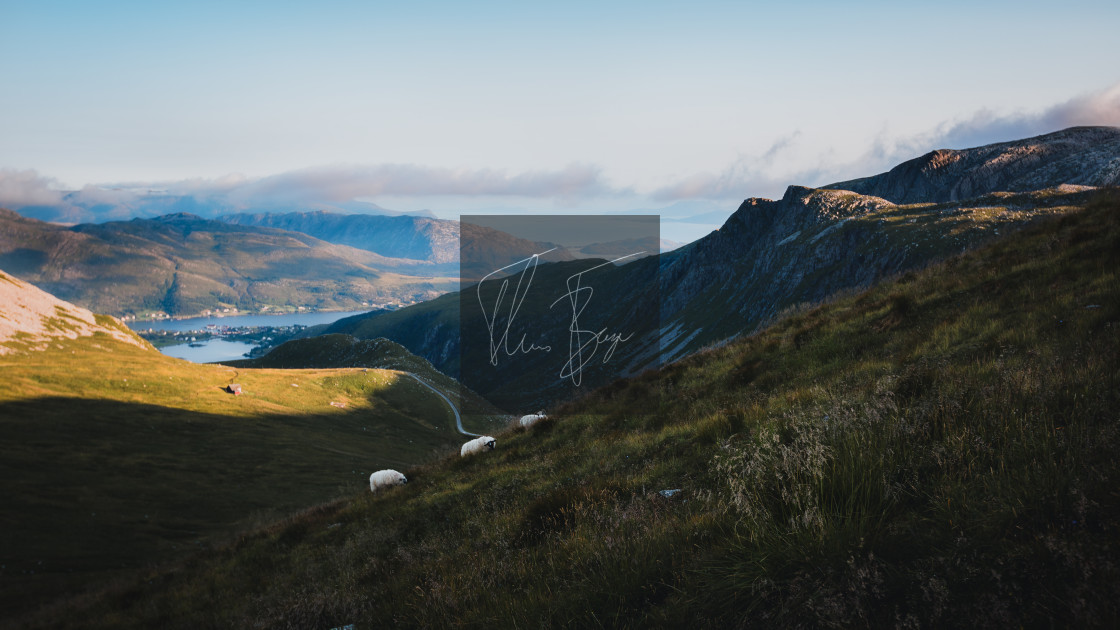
(574, 106)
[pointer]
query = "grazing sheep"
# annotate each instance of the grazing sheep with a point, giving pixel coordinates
(528, 420)
(478, 445)
(386, 478)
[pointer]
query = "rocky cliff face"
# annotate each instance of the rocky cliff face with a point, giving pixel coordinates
(812, 243)
(1086, 156)
(751, 241)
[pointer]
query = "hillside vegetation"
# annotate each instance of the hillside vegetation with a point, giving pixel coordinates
(116, 456)
(938, 450)
(336, 350)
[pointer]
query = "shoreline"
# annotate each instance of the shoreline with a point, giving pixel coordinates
(175, 318)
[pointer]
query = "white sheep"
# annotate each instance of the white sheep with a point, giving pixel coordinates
(386, 478)
(478, 445)
(530, 419)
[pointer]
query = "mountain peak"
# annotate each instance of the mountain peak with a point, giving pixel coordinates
(1083, 156)
(175, 217)
(800, 207)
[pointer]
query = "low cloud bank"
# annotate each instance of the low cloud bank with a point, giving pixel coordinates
(41, 197)
(756, 175)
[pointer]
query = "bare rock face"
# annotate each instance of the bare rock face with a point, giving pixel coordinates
(30, 317)
(754, 247)
(1083, 156)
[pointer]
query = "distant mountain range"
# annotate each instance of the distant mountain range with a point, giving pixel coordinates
(417, 238)
(774, 255)
(182, 264)
(97, 205)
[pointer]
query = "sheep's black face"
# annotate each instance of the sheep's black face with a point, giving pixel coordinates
(491, 444)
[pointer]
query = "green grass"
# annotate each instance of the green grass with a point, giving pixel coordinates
(936, 451)
(338, 350)
(116, 456)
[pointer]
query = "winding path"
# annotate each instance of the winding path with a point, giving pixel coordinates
(458, 418)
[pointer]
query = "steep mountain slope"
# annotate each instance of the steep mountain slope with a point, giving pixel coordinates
(417, 238)
(182, 264)
(116, 456)
(934, 451)
(1083, 156)
(429, 330)
(774, 255)
(522, 383)
(768, 257)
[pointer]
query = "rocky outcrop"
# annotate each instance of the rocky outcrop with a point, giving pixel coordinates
(749, 244)
(30, 318)
(1085, 156)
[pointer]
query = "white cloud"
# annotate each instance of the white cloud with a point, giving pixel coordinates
(768, 173)
(349, 182)
(27, 188)
(984, 127)
(765, 174)
(233, 193)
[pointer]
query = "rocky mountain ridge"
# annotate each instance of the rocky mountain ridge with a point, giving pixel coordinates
(1084, 156)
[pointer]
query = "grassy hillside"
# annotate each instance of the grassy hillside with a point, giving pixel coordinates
(438, 318)
(936, 451)
(115, 456)
(336, 350)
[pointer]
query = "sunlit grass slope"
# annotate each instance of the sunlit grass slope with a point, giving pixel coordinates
(937, 451)
(338, 350)
(116, 456)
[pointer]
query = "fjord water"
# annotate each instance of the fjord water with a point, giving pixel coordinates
(243, 321)
(217, 349)
(209, 351)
